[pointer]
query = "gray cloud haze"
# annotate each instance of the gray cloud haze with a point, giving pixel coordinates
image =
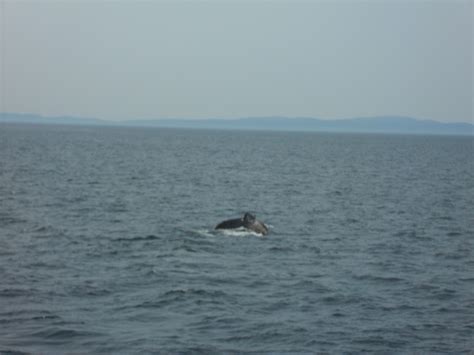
(135, 60)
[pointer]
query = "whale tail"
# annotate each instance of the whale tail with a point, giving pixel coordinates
(251, 222)
(249, 218)
(248, 221)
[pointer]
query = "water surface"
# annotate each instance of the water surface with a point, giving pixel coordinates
(107, 241)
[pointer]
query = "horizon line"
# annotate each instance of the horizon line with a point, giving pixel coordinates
(235, 118)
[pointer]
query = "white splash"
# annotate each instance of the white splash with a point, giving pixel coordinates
(239, 232)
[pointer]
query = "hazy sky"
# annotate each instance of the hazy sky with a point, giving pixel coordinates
(197, 59)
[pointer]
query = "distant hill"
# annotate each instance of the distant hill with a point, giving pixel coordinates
(65, 120)
(387, 124)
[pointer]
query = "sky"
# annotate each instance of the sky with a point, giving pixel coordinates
(337, 59)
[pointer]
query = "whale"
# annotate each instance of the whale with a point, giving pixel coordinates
(248, 221)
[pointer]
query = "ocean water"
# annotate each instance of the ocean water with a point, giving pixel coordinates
(107, 242)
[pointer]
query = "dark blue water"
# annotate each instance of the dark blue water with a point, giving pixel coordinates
(107, 241)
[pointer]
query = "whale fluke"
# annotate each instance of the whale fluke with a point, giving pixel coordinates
(247, 221)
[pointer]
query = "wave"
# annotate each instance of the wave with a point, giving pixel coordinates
(183, 294)
(136, 239)
(6, 219)
(194, 292)
(204, 232)
(22, 316)
(238, 232)
(388, 279)
(281, 249)
(17, 292)
(13, 352)
(62, 335)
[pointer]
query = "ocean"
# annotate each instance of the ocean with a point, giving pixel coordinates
(107, 241)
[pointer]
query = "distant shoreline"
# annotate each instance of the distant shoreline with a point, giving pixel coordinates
(385, 124)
